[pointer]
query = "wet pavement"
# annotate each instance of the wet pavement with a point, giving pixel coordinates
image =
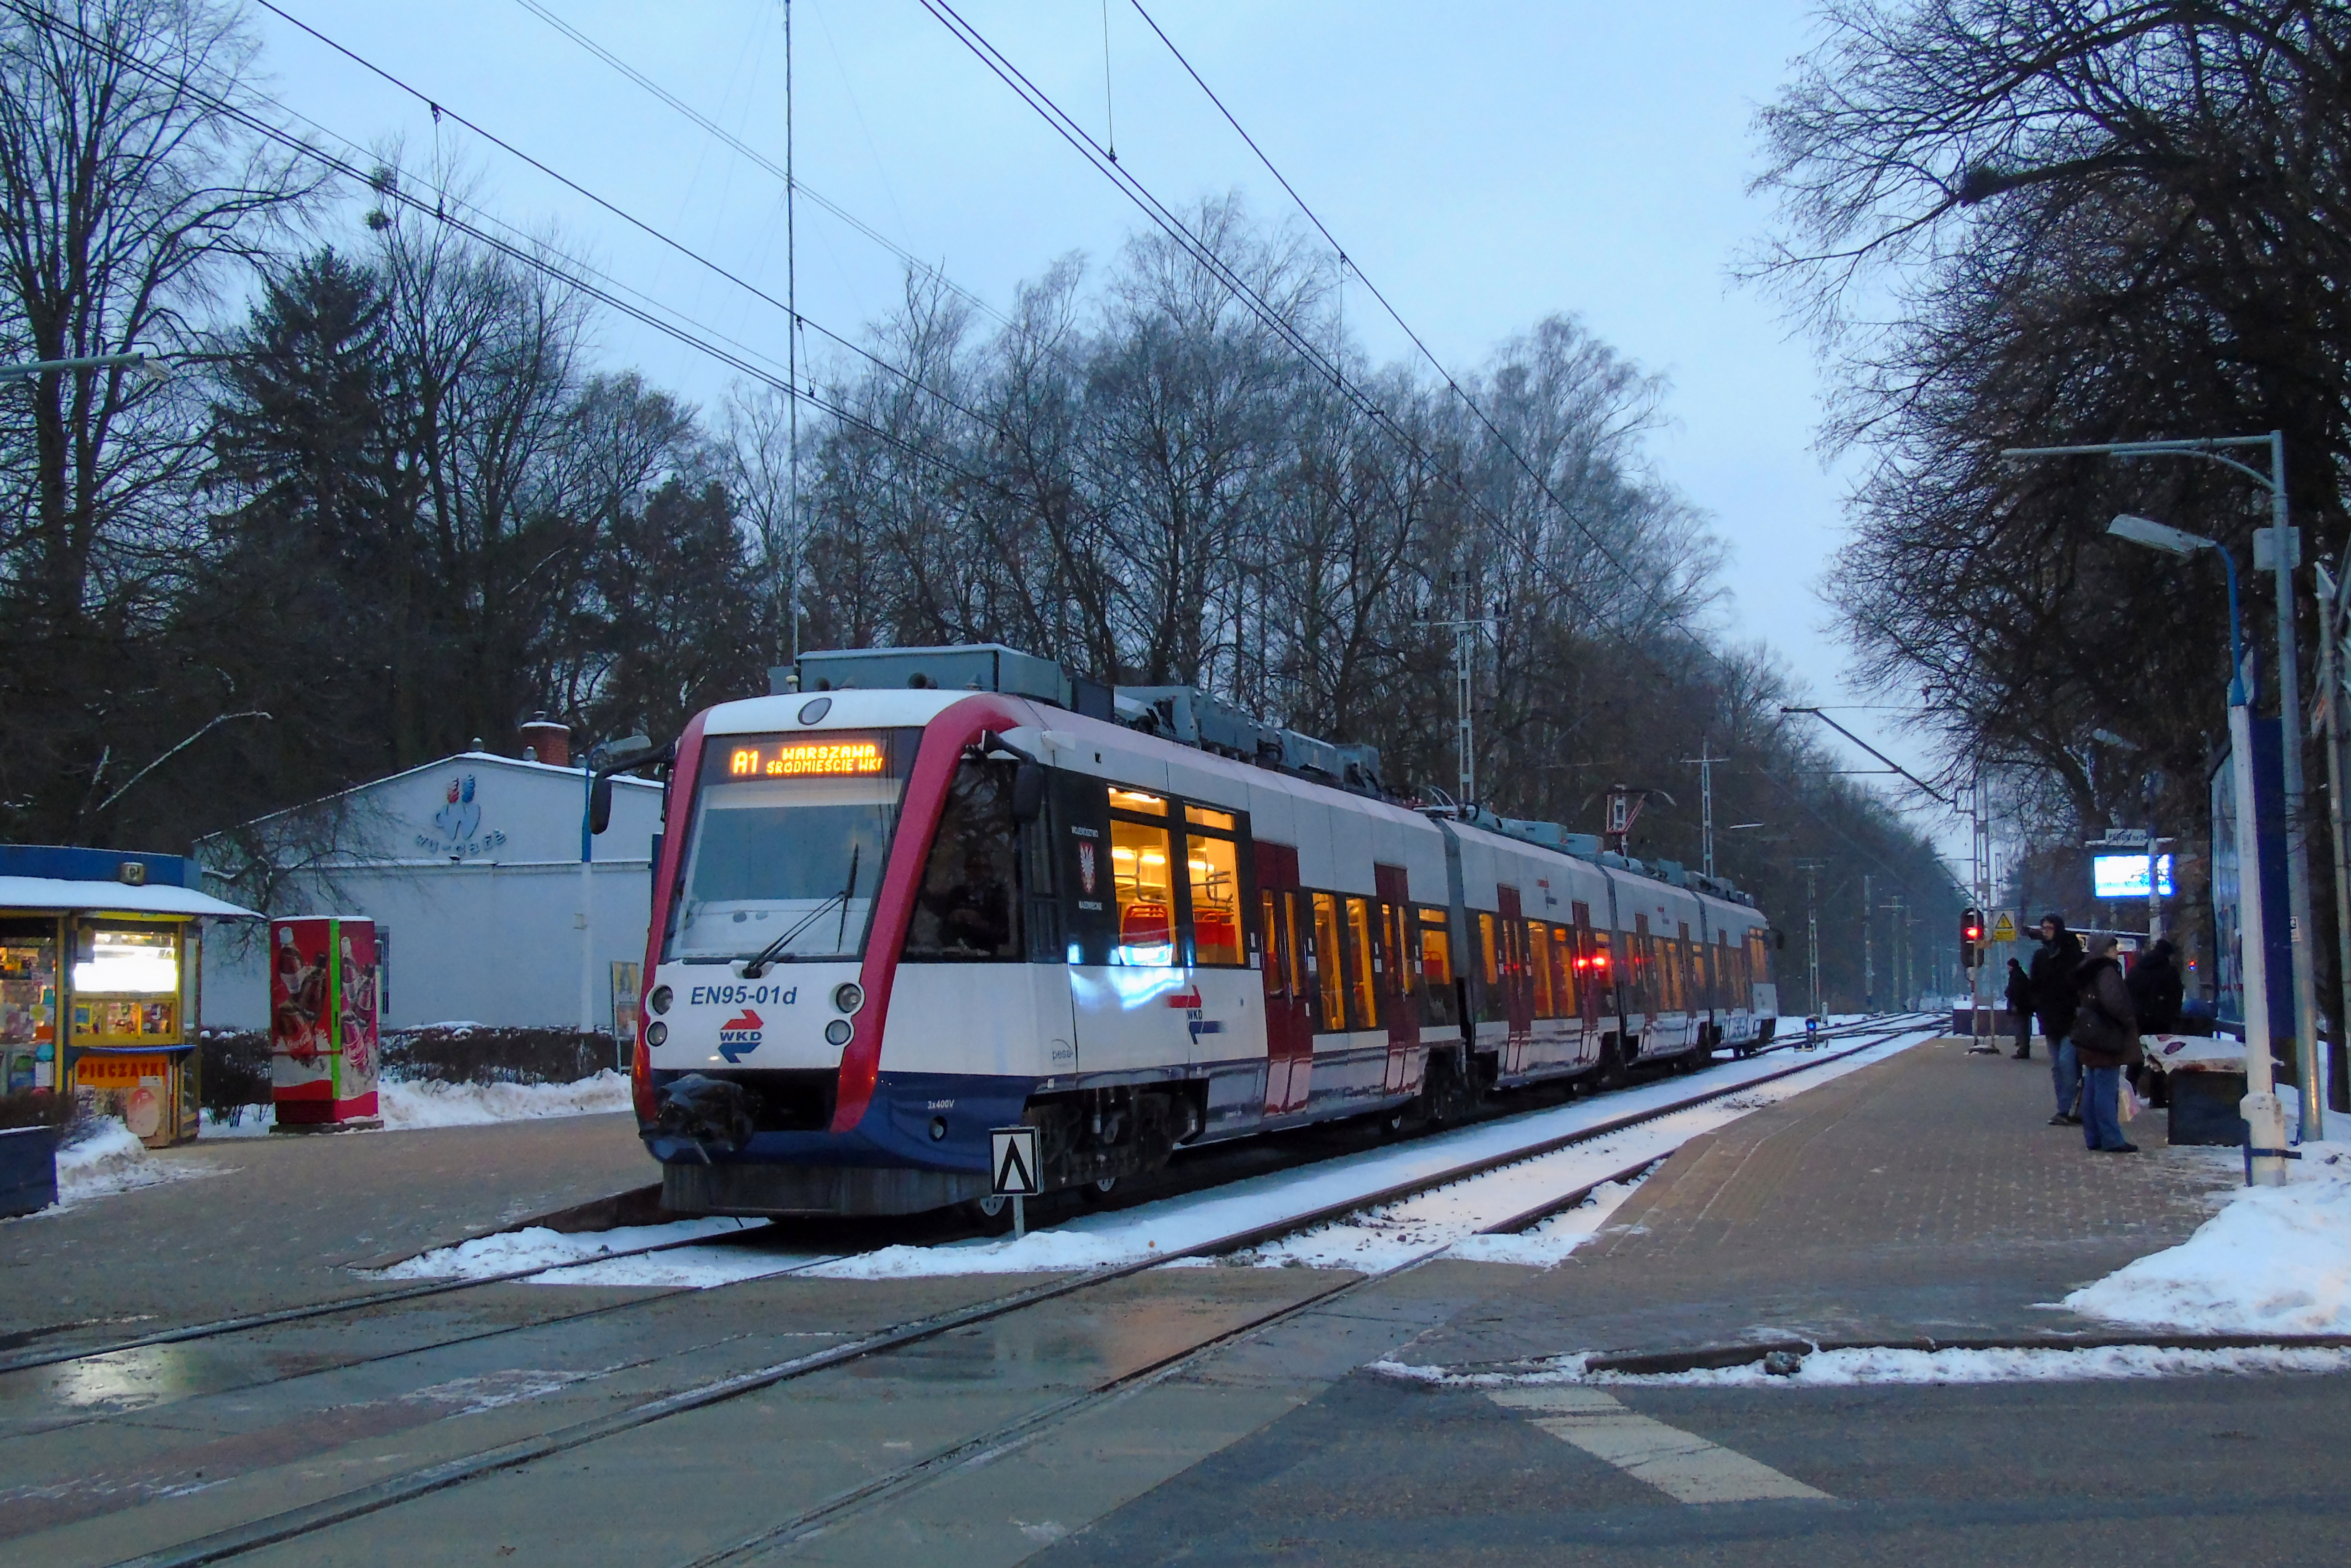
(1921, 1195)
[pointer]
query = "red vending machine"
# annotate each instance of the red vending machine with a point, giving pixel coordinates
(323, 986)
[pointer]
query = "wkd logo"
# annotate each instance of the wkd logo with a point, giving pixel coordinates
(739, 1035)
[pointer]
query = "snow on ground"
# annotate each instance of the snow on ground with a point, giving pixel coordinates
(1401, 1231)
(1849, 1368)
(2276, 1259)
(406, 1106)
(539, 1246)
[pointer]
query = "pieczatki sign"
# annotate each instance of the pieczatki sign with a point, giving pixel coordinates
(324, 981)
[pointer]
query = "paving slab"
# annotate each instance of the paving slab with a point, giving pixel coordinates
(1924, 1197)
(269, 1222)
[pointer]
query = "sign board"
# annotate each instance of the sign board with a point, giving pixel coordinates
(2124, 876)
(2003, 926)
(1013, 1162)
(2120, 839)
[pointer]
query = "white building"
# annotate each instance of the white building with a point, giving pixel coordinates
(470, 868)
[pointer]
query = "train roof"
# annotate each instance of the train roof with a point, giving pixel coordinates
(1205, 746)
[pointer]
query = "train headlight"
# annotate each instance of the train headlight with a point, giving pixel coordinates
(656, 1033)
(661, 999)
(848, 997)
(837, 1032)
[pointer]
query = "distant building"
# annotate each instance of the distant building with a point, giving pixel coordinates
(470, 868)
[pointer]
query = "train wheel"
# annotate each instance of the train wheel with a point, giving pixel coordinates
(991, 1216)
(1101, 1187)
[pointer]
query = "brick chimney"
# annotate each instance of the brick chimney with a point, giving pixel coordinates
(544, 740)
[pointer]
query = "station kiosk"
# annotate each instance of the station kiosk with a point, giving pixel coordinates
(101, 981)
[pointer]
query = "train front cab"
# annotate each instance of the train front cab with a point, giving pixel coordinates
(1002, 913)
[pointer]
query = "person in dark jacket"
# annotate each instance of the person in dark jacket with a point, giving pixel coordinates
(2054, 998)
(2020, 1007)
(2105, 1038)
(2156, 988)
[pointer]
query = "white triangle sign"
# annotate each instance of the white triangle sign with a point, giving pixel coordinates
(1012, 1158)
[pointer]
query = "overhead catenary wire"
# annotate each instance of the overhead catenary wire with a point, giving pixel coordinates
(1164, 217)
(534, 256)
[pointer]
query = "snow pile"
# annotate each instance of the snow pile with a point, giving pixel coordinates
(538, 1246)
(404, 1106)
(1881, 1365)
(105, 1157)
(2276, 1260)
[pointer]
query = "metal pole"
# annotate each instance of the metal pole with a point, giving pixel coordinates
(2330, 682)
(792, 340)
(1868, 946)
(587, 896)
(1464, 647)
(87, 362)
(2298, 835)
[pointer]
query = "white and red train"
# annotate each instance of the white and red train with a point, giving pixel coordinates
(887, 918)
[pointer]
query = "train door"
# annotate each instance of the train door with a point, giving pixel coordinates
(1288, 1006)
(1400, 977)
(1518, 993)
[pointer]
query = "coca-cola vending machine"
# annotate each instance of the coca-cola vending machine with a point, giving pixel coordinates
(324, 986)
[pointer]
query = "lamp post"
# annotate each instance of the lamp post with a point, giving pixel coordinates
(2264, 1116)
(2284, 558)
(146, 364)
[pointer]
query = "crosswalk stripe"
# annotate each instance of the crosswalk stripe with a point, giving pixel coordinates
(1682, 1465)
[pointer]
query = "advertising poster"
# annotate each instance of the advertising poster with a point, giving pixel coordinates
(323, 1034)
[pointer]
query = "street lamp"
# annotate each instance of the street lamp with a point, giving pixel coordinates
(2284, 558)
(2264, 1116)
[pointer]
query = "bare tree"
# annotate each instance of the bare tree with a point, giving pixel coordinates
(128, 182)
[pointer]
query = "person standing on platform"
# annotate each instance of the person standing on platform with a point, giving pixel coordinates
(2106, 1040)
(2156, 991)
(2055, 998)
(2020, 1008)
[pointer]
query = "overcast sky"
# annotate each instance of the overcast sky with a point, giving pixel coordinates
(1485, 165)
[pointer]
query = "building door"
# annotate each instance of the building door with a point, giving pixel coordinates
(1289, 1007)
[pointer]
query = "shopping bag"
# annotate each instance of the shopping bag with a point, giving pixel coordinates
(2130, 1105)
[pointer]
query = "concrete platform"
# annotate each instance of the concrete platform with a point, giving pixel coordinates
(263, 1223)
(1923, 1197)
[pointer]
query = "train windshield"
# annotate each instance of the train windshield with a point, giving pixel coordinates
(790, 836)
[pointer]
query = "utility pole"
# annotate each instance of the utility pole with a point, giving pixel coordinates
(1811, 870)
(1899, 959)
(792, 339)
(1978, 980)
(1465, 653)
(1706, 761)
(1868, 947)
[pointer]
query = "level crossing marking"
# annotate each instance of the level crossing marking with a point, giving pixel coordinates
(1682, 1465)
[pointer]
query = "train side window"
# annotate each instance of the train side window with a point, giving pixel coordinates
(1214, 866)
(1276, 950)
(1492, 1004)
(1539, 967)
(1330, 986)
(1404, 965)
(1436, 992)
(1363, 996)
(1146, 896)
(1293, 944)
(1562, 972)
(969, 902)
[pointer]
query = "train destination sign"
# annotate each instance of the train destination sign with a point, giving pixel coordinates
(836, 759)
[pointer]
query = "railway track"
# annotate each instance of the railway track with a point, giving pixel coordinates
(363, 1301)
(295, 1523)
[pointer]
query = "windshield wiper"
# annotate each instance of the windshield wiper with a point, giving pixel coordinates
(757, 964)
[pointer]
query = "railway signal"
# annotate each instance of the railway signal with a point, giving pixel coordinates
(1971, 935)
